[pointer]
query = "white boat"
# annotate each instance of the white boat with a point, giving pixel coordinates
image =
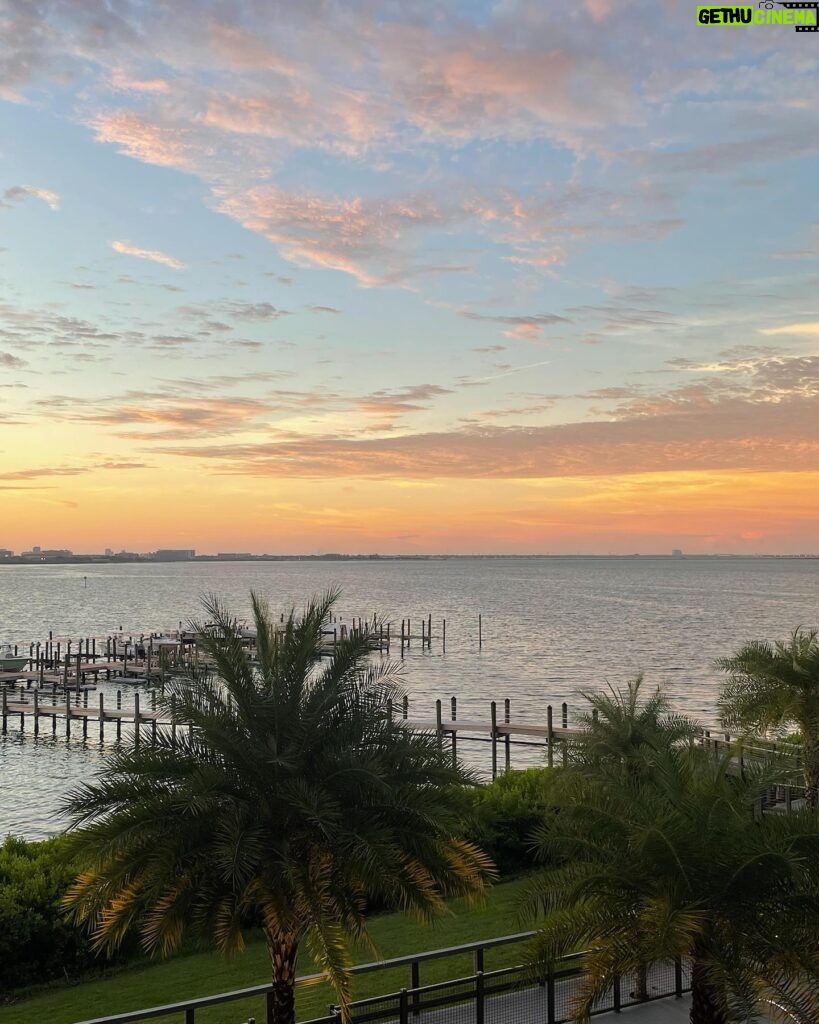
(11, 662)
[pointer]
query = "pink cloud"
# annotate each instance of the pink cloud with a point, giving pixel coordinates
(357, 236)
(155, 255)
(19, 193)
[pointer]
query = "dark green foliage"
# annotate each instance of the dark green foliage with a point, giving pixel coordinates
(502, 817)
(36, 942)
(659, 851)
(289, 796)
(772, 687)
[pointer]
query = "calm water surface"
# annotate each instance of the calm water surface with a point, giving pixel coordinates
(551, 628)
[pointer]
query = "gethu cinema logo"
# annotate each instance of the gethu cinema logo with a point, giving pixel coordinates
(803, 16)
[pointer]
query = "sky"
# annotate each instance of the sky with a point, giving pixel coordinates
(404, 277)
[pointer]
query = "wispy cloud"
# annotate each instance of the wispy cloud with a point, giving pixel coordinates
(19, 193)
(810, 329)
(129, 249)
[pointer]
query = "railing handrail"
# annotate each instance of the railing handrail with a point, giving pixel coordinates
(310, 979)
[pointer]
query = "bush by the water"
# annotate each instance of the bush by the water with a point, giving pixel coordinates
(503, 815)
(36, 942)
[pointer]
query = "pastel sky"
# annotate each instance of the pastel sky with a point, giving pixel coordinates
(359, 276)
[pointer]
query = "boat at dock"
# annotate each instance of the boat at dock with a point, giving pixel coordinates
(10, 661)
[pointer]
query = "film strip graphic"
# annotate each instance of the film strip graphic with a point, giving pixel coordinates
(814, 5)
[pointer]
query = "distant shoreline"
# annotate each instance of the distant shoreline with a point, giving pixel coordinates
(18, 560)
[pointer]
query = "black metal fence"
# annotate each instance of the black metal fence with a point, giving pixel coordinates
(507, 995)
(511, 995)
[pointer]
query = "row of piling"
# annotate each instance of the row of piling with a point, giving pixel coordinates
(112, 654)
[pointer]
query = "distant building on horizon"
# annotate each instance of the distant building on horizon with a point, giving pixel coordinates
(676, 553)
(43, 553)
(174, 555)
(6, 553)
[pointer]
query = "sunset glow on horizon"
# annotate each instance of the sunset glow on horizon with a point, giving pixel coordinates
(513, 277)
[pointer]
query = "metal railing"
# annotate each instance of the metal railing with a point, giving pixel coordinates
(508, 994)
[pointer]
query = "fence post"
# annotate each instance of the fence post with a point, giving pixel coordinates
(479, 998)
(678, 978)
(616, 994)
(415, 984)
(403, 1007)
(190, 1015)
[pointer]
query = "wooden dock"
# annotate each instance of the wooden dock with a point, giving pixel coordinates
(31, 708)
(64, 661)
(500, 731)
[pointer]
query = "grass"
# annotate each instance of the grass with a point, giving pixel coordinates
(200, 974)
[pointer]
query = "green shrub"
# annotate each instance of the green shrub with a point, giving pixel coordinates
(502, 816)
(36, 942)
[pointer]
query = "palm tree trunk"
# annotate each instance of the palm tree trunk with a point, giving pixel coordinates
(704, 1008)
(641, 988)
(282, 1002)
(812, 774)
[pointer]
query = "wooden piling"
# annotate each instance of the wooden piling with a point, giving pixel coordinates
(443, 635)
(480, 630)
(136, 719)
(439, 732)
(493, 716)
(36, 713)
(549, 738)
(102, 717)
(454, 733)
(507, 740)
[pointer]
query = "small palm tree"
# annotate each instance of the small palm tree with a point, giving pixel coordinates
(624, 726)
(771, 686)
(673, 864)
(288, 799)
(623, 731)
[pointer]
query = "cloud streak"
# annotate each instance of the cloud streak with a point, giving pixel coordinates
(19, 193)
(155, 255)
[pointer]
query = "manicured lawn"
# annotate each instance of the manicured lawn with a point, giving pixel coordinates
(200, 974)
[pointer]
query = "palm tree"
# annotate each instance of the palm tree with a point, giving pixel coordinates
(674, 864)
(624, 729)
(774, 685)
(624, 726)
(288, 799)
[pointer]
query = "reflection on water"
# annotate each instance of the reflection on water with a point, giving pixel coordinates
(551, 627)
